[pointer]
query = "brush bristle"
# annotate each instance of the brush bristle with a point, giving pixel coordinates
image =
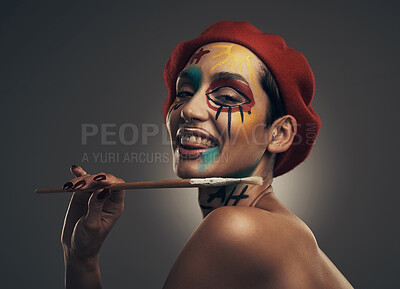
(253, 180)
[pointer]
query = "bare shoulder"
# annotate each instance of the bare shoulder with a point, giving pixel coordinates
(243, 247)
(263, 236)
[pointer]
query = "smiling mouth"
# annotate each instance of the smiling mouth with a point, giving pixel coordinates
(193, 142)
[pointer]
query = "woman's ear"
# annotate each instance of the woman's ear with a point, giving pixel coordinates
(282, 133)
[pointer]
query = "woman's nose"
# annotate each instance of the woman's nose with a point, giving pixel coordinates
(195, 108)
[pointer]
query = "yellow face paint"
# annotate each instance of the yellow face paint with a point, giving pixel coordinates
(246, 129)
(234, 58)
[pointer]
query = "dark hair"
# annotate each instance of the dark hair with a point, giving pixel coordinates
(276, 104)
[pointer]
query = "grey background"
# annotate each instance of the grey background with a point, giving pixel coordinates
(64, 64)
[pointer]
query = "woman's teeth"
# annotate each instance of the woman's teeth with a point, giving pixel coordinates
(198, 139)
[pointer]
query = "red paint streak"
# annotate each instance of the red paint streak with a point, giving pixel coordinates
(198, 55)
(238, 85)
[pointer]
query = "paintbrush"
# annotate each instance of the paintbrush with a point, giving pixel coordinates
(180, 183)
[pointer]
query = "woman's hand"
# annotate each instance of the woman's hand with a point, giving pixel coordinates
(92, 213)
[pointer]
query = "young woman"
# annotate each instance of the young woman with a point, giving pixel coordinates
(239, 105)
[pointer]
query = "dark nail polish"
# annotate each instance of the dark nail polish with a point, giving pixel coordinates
(104, 194)
(99, 178)
(79, 185)
(73, 167)
(67, 186)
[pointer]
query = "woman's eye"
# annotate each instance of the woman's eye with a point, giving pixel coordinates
(182, 95)
(227, 97)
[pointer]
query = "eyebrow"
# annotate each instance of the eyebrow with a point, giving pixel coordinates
(185, 74)
(193, 74)
(229, 75)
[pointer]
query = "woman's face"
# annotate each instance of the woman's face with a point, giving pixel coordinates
(217, 122)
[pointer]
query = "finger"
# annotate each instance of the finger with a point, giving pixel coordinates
(85, 182)
(102, 179)
(77, 208)
(77, 184)
(108, 179)
(77, 171)
(95, 207)
(118, 196)
(115, 203)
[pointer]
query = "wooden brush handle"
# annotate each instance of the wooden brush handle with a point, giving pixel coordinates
(180, 183)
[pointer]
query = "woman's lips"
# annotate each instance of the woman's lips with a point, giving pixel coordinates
(190, 154)
(193, 142)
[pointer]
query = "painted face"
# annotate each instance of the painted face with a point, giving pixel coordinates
(217, 122)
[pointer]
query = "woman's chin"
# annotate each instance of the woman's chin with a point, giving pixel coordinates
(193, 169)
(197, 168)
(187, 171)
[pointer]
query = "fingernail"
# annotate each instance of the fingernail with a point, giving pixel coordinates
(104, 194)
(99, 177)
(73, 167)
(79, 185)
(67, 186)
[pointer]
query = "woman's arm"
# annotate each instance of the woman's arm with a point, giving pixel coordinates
(92, 213)
(82, 273)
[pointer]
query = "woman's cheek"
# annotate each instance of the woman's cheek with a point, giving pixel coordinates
(246, 130)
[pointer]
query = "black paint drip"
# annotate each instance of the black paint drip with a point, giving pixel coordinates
(218, 112)
(222, 106)
(229, 121)
(241, 112)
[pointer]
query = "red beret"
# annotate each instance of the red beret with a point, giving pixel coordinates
(289, 68)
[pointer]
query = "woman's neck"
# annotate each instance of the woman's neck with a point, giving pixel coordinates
(211, 198)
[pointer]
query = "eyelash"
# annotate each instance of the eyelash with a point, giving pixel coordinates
(183, 94)
(228, 99)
